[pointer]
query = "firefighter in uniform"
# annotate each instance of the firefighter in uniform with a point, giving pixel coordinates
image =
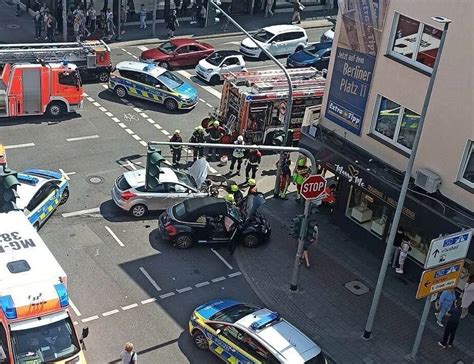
(197, 137)
(237, 155)
(234, 190)
(215, 133)
(300, 173)
(176, 149)
(253, 160)
(252, 187)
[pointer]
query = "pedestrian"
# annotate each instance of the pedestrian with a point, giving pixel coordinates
(201, 16)
(215, 133)
(194, 12)
(110, 26)
(253, 161)
(173, 23)
(197, 137)
(38, 25)
(285, 177)
(444, 304)
(300, 173)
(467, 296)
(76, 28)
(176, 149)
(307, 242)
(92, 18)
(268, 8)
(123, 18)
(404, 249)
(238, 195)
(297, 8)
(128, 356)
(51, 28)
(237, 155)
(397, 243)
(142, 17)
(451, 325)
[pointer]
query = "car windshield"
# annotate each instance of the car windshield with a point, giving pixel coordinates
(215, 59)
(263, 35)
(53, 342)
(179, 211)
(234, 313)
(313, 51)
(167, 47)
(187, 179)
(170, 80)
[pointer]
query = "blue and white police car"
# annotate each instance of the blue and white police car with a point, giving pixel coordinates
(242, 333)
(40, 192)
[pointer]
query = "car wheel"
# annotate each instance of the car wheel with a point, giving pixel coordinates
(36, 226)
(262, 56)
(138, 210)
(120, 91)
(251, 240)
(165, 65)
(103, 76)
(215, 80)
(200, 340)
(64, 196)
(56, 109)
(171, 104)
(183, 241)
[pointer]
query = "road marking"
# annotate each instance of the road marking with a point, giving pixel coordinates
(208, 104)
(109, 114)
(117, 120)
(185, 289)
(235, 274)
(108, 313)
(95, 103)
(221, 258)
(114, 236)
(81, 212)
(16, 146)
(129, 164)
(103, 109)
(136, 137)
(157, 126)
(166, 295)
(165, 132)
(144, 143)
(202, 284)
(150, 300)
(105, 86)
(92, 318)
(142, 48)
(74, 308)
(122, 125)
(218, 279)
(133, 305)
(151, 121)
(212, 170)
(129, 131)
(151, 280)
(66, 175)
(90, 99)
(85, 94)
(143, 115)
(202, 100)
(235, 42)
(137, 109)
(83, 138)
(207, 88)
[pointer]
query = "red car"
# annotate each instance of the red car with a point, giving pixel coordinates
(177, 53)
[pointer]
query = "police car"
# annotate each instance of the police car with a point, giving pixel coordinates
(151, 82)
(242, 333)
(40, 192)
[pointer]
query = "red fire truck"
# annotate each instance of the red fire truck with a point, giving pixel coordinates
(254, 104)
(40, 88)
(92, 57)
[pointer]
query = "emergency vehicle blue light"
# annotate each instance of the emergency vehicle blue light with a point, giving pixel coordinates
(27, 179)
(8, 307)
(62, 293)
(265, 320)
(149, 67)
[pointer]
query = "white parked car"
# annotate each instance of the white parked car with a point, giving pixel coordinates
(278, 40)
(212, 68)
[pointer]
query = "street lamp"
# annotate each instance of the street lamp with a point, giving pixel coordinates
(403, 191)
(286, 125)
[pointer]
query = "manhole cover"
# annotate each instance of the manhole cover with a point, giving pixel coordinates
(357, 288)
(13, 26)
(95, 180)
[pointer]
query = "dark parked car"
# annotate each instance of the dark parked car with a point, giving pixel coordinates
(316, 55)
(213, 220)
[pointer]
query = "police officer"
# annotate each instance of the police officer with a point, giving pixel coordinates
(300, 173)
(230, 198)
(254, 159)
(237, 155)
(234, 190)
(197, 137)
(215, 132)
(252, 187)
(176, 149)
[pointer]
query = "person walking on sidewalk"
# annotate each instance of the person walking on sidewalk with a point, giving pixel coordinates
(128, 356)
(313, 239)
(268, 8)
(467, 296)
(50, 28)
(197, 137)
(142, 17)
(173, 23)
(451, 325)
(38, 25)
(176, 149)
(253, 161)
(297, 8)
(285, 178)
(444, 304)
(92, 18)
(237, 155)
(404, 249)
(397, 243)
(300, 173)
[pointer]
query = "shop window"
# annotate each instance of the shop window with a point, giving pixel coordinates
(396, 124)
(414, 42)
(466, 172)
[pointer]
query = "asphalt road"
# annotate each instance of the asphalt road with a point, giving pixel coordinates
(124, 282)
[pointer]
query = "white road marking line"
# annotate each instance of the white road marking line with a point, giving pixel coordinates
(212, 170)
(129, 131)
(166, 295)
(218, 279)
(66, 175)
(125, 101)
(75, 323)
(92, 318)
(235, 274)
(117, 120)
(169, 136)
(208, 104)
(114, 236)
(102, 109)
(221, 258)
(108, 313)
(142, 48)
(74, 308)
(108, 113)
(85, 94)
(105, 86)
(150, 279)
(137, 109)
(165, 132)
(202, 284)
(151, 121)
(136, 137)
(122, 125)
(144, 143)
(83, 138)
(207, 88)
(16, 146)
(95, 103)
(123, 49)
(185, 289)
(150, 300)
(235, 42)
(144, 115)
(202, 100)
(133, 305)
(81, 212)
(158, 126)
(90, 99)
(129, 164)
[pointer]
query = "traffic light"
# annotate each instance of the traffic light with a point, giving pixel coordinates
(213, 14)
(153, 170)
(8, 186)
(295, 225)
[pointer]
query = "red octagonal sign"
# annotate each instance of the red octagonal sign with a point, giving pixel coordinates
(313, 187)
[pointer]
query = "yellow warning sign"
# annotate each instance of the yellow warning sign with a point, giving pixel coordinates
(439, 279)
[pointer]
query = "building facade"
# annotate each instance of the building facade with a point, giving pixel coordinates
(382, 58)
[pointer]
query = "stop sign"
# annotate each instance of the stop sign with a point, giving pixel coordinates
(313, 187)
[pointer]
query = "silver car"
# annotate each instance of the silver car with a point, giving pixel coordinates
(175, 186)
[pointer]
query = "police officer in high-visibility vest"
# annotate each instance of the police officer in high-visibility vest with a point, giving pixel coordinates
(237, 155)
(176, 149)
(197, 137)
(253, 160)
(300, 173)
(234, 190)
(215, 133)
(230, 198)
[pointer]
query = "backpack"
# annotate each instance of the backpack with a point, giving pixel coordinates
(133, 358)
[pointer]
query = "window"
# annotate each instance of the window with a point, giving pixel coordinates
(182, 50)
(131, 75)
(194, 48)
(231, 61)
(69, 78)
(414, 42)
(396, 124)
(466, 172)
(3, 345)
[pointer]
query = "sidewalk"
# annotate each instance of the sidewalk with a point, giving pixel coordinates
(328, 312)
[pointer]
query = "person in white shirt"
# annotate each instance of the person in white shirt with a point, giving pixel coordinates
(128, 356)
(404, 249)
